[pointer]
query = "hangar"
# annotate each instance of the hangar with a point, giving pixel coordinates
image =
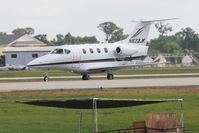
(19, 50)
(23, 55)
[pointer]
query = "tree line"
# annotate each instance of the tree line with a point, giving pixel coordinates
(58, 40)
(184, 41)
(112, 32)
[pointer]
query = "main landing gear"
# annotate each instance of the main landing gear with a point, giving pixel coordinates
(85, 77)
(110, 76)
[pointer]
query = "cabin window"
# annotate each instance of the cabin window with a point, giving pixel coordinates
(57, 51)
(98, 50)
(34, 55)
(84, 51)
(105, 50)
(13, 55)
(67, 51)
(91, 50)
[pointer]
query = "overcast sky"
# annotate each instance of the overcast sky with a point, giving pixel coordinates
(81, 17)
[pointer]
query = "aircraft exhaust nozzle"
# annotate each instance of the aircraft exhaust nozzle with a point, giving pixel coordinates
(125, 51)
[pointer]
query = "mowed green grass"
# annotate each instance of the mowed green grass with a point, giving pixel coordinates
(20, 118)
(39, 73)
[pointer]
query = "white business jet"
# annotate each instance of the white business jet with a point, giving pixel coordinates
(92, 58)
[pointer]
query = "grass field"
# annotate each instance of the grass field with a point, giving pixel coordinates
(19, 118)
(40, 73)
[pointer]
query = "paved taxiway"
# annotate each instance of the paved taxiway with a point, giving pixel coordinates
(94, 84)
(104, 76)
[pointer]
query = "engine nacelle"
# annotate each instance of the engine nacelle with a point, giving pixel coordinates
(125, 51)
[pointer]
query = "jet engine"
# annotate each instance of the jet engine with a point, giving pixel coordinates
(125, 51)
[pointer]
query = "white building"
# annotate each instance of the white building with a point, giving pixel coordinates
(23, 55)
(23, 49)
(187, 61)
(148, 59)
(161, 61)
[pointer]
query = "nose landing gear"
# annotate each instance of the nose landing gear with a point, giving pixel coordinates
(46, 78)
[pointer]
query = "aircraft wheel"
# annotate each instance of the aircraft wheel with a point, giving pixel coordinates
(85, 77)
(46, 78)
(110, 76)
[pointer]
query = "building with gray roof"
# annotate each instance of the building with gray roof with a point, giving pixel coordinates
(19, 50)
(7, 39)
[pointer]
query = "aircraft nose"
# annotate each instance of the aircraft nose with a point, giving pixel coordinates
(34, 63)
(30, 64)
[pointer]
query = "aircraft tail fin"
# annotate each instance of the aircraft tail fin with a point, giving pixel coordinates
(141, 31)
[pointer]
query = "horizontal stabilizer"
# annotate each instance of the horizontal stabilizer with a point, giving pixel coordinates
(140, 33)
(151, 21)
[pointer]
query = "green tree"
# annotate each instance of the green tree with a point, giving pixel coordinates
(188, 39)
(164, 44)
(2, 60)
(157, 44)
(42, 38)
(3, 33)
(171, 46)
(69, 39)
(163, 28)
(117, 36)
(29, 31)
(112, 32)
(59, 40)
(93, 40)
(23, 31)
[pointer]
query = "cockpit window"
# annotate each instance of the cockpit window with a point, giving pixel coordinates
(67, 51)
(57, 51)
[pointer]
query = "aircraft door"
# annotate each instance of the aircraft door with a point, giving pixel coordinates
(76, 58)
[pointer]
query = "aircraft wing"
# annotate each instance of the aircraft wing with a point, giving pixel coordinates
(121, 65)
